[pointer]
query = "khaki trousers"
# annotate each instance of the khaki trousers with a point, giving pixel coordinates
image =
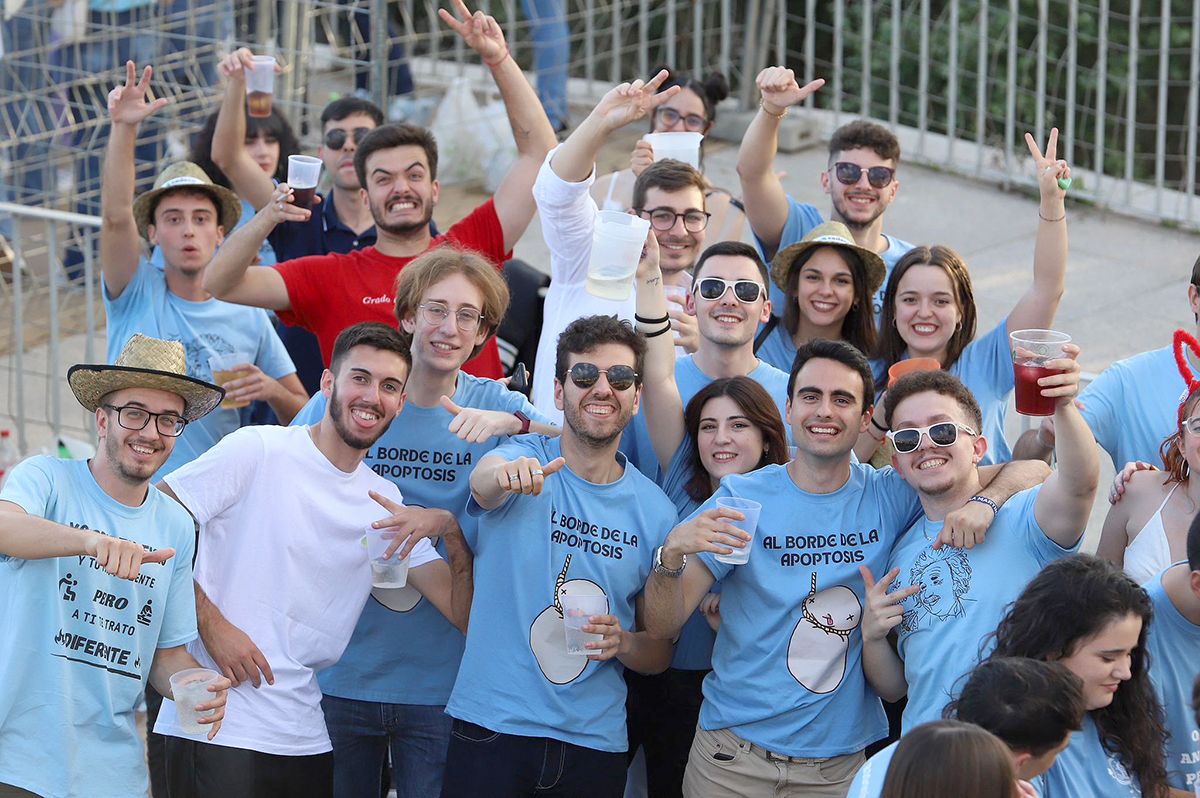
(723, 765)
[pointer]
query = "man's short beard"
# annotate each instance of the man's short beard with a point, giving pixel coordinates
(337, 414)
(406, 229)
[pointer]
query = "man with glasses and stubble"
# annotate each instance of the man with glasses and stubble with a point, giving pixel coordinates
(860, 179)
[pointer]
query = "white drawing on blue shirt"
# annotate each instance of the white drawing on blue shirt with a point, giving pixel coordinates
(400, 599)
(816, 655)
(944, 576)
(1120, 775)
(547, 636)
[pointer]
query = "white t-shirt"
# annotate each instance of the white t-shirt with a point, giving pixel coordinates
(281, 555)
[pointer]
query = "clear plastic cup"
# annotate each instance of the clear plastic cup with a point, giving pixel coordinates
(616, 248)
(390, 573)
(224, 371)
(304, 171)
(750, 509)
(260, 86)
(1031, 350)
(189, 688)
(679, 146)
(576, 611)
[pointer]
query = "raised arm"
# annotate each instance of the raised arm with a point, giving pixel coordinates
(229, 137)
(661, 402)
(762, 192)
(229, 275)
(531, 129)
(120, 243)
(1037, 307)
(1064, 504)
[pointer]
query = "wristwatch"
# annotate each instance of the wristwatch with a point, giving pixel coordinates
(524, 419)
(662, 570)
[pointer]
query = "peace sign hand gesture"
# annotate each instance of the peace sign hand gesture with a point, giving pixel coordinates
(884, 610)
(1050, 168)
(480, 31)
(127, 104)
(630, 102)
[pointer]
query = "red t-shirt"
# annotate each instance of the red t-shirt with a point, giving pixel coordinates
(328, 293)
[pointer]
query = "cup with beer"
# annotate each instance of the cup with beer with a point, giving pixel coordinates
(260, 86)
(303, 173)
(225, 369)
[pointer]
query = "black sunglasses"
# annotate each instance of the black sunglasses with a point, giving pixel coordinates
(335, 137)
(584, 375)
(944, 433)
(713, 288)
(877, 176)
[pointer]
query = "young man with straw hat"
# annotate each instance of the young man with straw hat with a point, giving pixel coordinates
(185, 215)
(96, 582)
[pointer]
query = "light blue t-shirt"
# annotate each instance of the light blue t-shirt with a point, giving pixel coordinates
(403, 650)
(787, 663)
(79, 643)
(1086, 770)
(1133, 405)
(964, 595)
(636, 443)
(266, 252)
(576, 537)
(207, 328)
(801, 219)
(985, 367)
(1173, 643)
(693, 649)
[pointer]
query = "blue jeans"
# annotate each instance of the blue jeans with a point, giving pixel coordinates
(486, 762)
(551, 52)
(363, 731)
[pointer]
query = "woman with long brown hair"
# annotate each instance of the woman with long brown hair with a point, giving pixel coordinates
(969, 761)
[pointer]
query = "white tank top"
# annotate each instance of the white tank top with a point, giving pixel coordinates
(1149, 552)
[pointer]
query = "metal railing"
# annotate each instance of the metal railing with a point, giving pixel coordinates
(959, 80)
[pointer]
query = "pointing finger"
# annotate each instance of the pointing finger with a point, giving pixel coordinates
(553, 466)
(384, 502)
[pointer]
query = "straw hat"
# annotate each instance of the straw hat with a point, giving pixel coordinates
(185, 174)
(146, 363)
(830, 234)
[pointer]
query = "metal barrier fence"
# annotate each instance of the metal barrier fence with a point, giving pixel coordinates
(959, 79)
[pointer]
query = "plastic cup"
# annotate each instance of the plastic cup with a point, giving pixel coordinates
(303, 173)
(682, 146)
(750, 509)
(1031, 350)
(189, 688)
(911, 366)
(576, 611)
(390, 573)
(224, 371)
(260, 86)
(616, 247)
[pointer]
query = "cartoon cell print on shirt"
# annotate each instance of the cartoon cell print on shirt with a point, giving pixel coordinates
(400, 599)
(944, 576)
(547, 637)
(817, 653)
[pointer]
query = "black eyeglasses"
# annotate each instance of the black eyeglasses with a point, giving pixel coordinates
(335, 137)
(877, 176)
(944, 433)
(584, 375)
(435, 313)
(135, 418)
(713, 288)
(663, 219)
(693, 122)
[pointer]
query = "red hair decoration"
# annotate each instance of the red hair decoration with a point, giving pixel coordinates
(1179, 340)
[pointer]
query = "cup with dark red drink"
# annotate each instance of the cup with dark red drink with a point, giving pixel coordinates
(260, 86)
(303, 173)
(1031, 351)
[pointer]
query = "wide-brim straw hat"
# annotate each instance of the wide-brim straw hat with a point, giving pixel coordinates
(829, 234)
(185, 174)
(146, 363)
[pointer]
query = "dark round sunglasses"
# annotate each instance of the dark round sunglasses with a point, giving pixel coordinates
(850, 173)
(335, 137)
(713, 288)
(944, 433)
(585, 375)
